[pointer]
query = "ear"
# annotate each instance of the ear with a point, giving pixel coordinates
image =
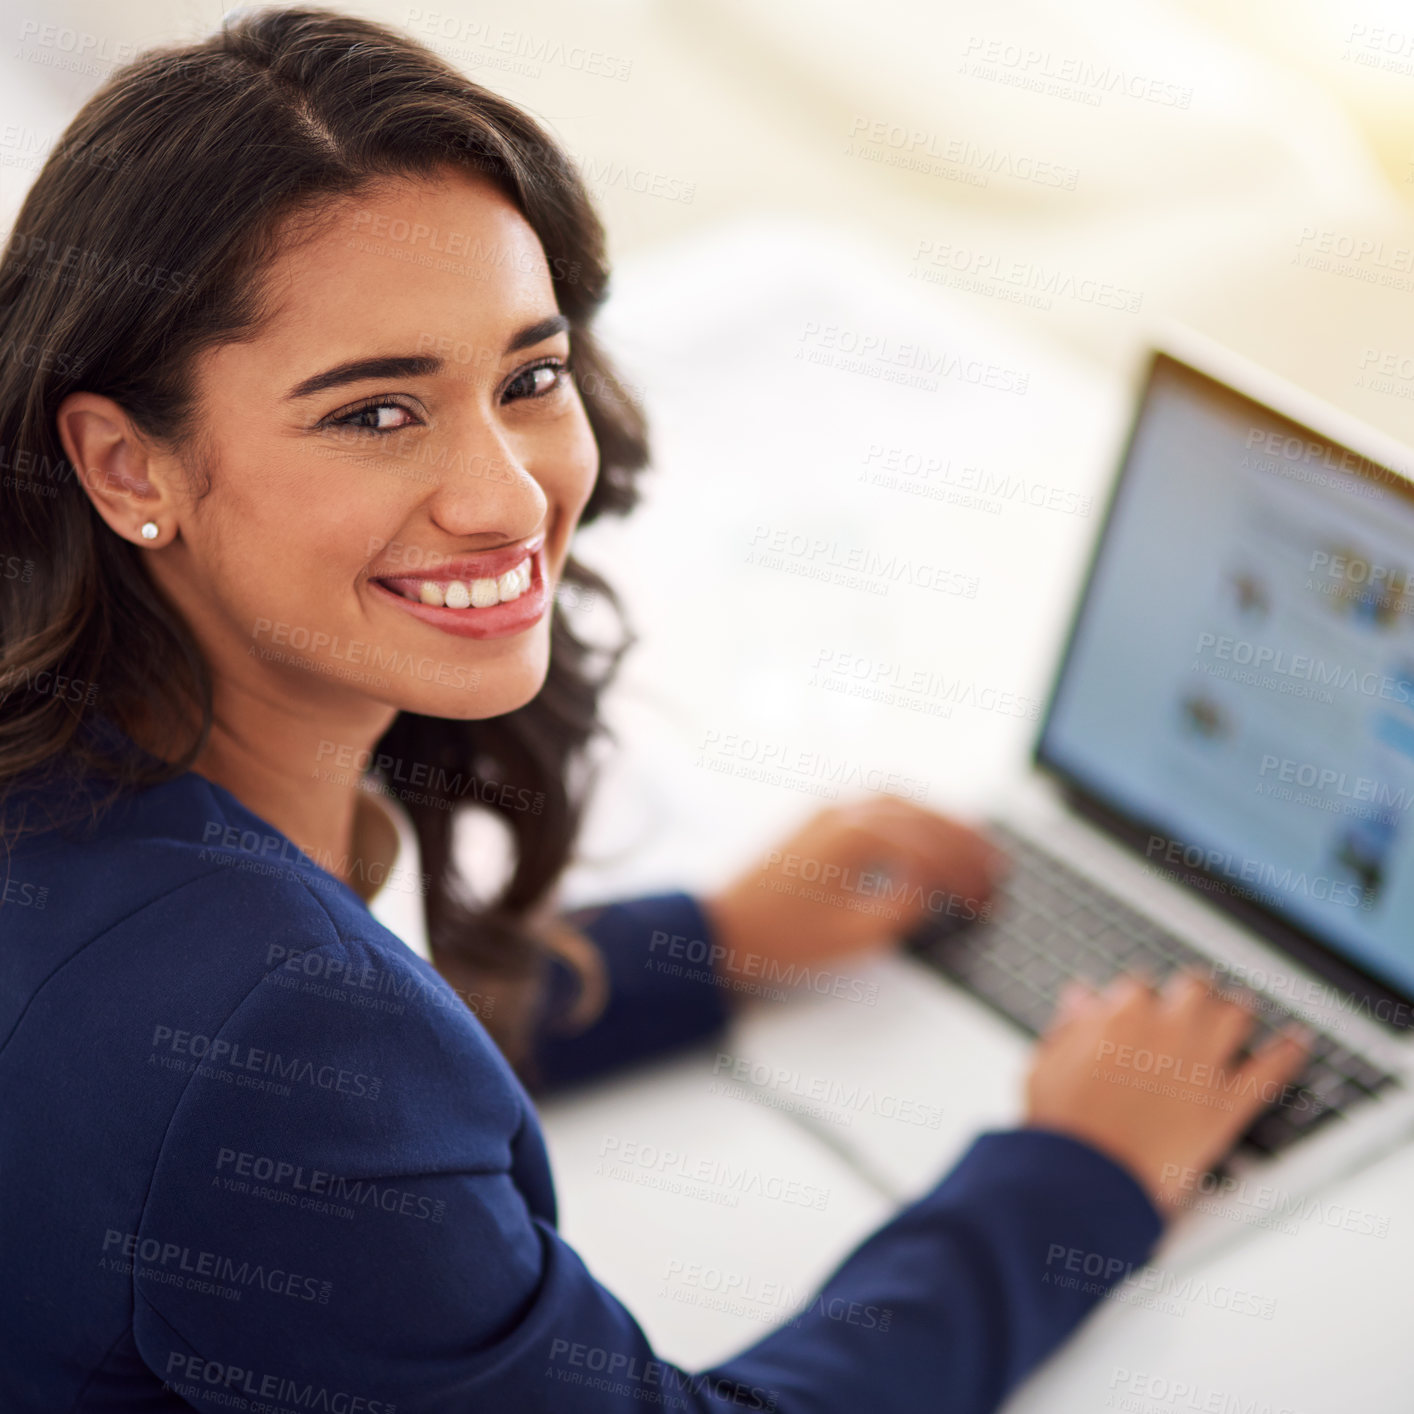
(128, 481)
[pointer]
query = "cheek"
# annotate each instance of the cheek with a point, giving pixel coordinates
(289, 528)
(574, 468)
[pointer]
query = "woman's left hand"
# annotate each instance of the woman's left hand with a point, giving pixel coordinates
(853, 877)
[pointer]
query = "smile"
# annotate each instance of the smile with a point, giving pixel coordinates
(467, 594)
(482, 596)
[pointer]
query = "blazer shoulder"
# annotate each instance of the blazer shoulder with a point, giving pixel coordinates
(190, 851)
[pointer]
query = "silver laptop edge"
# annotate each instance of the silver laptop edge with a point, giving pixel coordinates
(1259, 1190)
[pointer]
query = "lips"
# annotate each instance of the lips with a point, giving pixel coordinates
(465, 569)
(475, 596)
(469, 593)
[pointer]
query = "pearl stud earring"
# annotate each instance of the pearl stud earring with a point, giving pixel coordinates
(149, 530)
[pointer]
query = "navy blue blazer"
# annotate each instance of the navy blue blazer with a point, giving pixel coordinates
(256, 1154)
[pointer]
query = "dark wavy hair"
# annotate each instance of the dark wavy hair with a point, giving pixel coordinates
(140, 244)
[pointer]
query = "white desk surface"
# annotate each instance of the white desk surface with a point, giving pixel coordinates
(750, 433)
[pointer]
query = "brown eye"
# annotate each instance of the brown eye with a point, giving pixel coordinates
(536, 381)
(376, 417)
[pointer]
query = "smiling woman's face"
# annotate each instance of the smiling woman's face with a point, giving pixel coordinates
(392, 531)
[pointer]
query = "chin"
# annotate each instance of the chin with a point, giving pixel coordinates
(485, 685)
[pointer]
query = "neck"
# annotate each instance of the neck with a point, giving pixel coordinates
(281, 763)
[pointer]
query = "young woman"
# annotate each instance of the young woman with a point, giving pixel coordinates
(293, 459)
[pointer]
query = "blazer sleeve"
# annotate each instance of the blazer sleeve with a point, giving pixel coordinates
(335, 1221)
(664, 992)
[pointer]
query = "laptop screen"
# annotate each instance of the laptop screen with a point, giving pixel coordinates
(1239, 684)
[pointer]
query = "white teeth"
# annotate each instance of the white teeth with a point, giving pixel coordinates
(477, 593)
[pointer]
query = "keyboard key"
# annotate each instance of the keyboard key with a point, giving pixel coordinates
(1050, 924)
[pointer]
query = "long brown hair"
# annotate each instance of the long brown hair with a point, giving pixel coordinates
(139, 245)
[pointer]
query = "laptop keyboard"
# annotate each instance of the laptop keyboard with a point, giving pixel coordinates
(1050, 924)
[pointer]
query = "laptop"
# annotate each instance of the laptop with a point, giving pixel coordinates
(1223, 778)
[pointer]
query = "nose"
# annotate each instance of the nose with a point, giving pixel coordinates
(487, 491)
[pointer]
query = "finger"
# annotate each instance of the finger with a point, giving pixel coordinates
(984, 861)
(955, 837)
(1298, 1039)
(1129, 988)
(1221, 984)
(1231, 1019)
(1274, 1065)
(955, 864)
(1226, 1016)
(1183, 990)
(1216, 1026)
(1076, 999)
(940, 836)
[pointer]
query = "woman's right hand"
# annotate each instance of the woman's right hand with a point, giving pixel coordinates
(1150, 1078)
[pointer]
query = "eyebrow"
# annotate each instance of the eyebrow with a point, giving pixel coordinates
(416, 365)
